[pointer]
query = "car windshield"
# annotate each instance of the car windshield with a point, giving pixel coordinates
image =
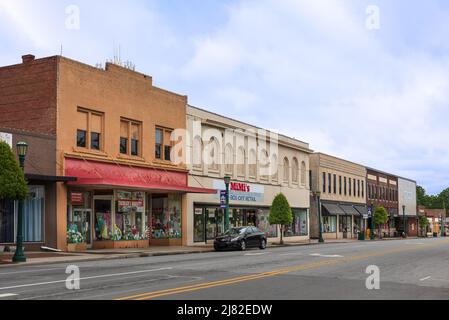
(235, 232)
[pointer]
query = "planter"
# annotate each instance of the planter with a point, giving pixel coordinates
(76, 247)
(125, 244)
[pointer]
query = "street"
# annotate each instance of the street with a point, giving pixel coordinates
(409, 269)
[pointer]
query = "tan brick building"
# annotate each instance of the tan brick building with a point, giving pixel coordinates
(342, 187)
(110, 157)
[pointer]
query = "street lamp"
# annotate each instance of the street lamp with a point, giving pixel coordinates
(371, 235)
(22, 149)
(404, 222)
(442, 226)
(320, 224)
(227, 181)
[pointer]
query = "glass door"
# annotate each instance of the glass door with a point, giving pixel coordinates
(82, 218)
(103, 214)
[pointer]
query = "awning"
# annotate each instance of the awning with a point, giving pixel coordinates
(332, 209)
(349, 210)
(362, 210)
(42, 178)
(101, 174)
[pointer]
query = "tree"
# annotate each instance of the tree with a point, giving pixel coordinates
(421, 196)
(380, 218)
(423, 224)
(12, 180)
(281, 213)
(444, 200)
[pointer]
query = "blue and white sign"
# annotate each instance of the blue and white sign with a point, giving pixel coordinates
(223, 195)
(241, 192)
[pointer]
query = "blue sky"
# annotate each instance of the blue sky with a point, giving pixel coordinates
(308, 69)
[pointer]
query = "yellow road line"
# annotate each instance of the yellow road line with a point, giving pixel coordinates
(206, 285)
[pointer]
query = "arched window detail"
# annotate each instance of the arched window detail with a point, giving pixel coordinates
(286, 170)
(214, 155)
(295, 171)
(252, 164)
(264, 165)
(229, 159)
(198, 152)
(274, 165)
(303, 174)
(241, 162)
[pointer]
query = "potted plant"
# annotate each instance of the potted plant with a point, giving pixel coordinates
(75, 240)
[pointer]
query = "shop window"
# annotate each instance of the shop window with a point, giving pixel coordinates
(214, 222)
(6, 221)
(299, 226)
(166, 216)
(90, 129)
(199, 226)
(264, 225)
(130, 137)
(103, 220)
(345, 224)
(130, 218)
(295, 171)
(34, 217)
(79, 217)
(329, 224)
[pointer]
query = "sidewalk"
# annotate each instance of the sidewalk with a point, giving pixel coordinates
(34, 258)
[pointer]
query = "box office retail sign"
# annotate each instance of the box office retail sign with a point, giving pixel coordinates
(242, 192)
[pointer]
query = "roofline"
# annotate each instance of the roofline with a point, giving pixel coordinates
(391, 174)
(329, 155)
(250, 125)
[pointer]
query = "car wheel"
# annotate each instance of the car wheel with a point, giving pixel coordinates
(243, 245)
(263, 244)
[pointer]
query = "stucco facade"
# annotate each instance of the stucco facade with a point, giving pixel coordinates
(263, 163)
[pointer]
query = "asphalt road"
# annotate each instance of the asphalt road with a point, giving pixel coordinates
(409, 269)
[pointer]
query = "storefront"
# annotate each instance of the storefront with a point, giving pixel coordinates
(249, 206)
(125, 208)
(342, 220)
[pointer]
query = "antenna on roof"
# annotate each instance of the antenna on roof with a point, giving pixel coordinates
(117, 59)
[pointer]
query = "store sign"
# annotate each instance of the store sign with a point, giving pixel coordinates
(129, 201)
(77, 198)
(198, 211)
(6, 137)
(223, 196)
(239, 191)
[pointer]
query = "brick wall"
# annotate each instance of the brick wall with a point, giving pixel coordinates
(28, 95)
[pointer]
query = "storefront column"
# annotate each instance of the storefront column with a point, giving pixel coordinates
(184, 221)
(61, 216)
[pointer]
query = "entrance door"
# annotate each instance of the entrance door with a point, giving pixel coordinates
(103, 214)
(83, 220)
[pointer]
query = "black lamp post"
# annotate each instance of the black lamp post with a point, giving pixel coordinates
(227, 181)
(320, 224)
(22, 149)
(404, 222)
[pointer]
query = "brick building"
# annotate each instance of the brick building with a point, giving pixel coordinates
(100, 153)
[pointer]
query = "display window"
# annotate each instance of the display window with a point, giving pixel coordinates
(329, 224)
(299, 226)
(166, 216)
(130, 218)
(79, 218)
(264, 225)
(345, 224)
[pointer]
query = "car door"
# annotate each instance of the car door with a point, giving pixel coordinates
(251, 237)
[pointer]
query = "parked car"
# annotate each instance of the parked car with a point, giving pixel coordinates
(241, 239)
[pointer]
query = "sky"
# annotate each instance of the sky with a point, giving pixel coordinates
(367, 81)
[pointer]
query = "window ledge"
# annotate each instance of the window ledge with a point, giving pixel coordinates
(90, 152)
(128, 157)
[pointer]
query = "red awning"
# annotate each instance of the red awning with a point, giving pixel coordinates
(100, 174)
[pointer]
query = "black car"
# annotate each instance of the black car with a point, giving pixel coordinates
(241, 239)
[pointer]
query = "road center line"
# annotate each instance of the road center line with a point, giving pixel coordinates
(86, 278)
(206, 285)
(426, 278)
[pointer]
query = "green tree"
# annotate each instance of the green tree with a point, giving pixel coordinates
(380, 218)
(444, 200)
(12, 180)
(421, 196)
(423, 224)
(281, 213)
